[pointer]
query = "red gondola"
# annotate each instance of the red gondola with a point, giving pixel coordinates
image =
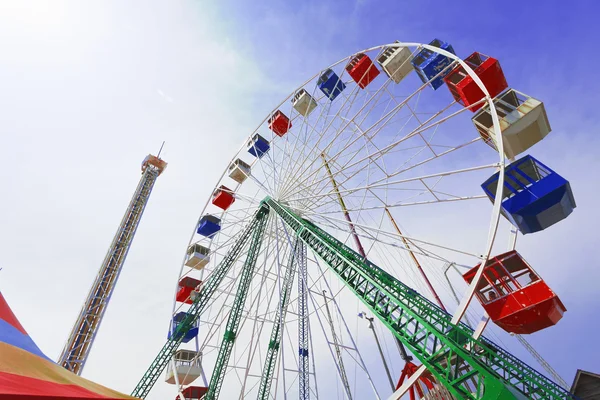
(514, 296)
(463, 87)
(279, 123)
(193, 392)
(186, 286)
(362, 70)
(223, 197)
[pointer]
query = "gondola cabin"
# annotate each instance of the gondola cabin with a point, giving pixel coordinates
(193, 393)
(209, 225)
(279, 123)
(331, 84)
(239, 171)
(465, 90)
(303, 102)
(362, 70)
(396, 62)
(258, 146)
(523, 122)
(429, 64)
(154, 163)
(534, 197)
(223, 197)
(186, 336)
(197, 256)
(187, 288)
(514, 296)
(187, 367)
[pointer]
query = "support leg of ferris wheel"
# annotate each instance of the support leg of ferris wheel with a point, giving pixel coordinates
(450, 353)
(329, 343)
(276, 337)
(303, 360)
(235, 315)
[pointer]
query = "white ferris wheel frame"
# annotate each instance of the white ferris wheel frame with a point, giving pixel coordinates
(495, 215)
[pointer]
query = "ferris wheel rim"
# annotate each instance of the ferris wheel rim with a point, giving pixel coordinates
(495, 214)
(496, 124)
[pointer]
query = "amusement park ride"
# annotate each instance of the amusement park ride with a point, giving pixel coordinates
(81, 339)
(358, 141)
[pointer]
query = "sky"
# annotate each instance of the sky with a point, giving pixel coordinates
(89, 88)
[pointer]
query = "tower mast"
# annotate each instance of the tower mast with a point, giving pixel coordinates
(79, 344)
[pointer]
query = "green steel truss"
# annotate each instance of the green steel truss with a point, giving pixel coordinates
(235, 316)
(469, 368)
(303, 325)
(206, 292)
(264, 389)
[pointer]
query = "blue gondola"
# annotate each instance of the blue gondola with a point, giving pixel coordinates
(331, 84)
(189, 335)
(534, 197)
(258, 146)
(428, 63)
(209, 225)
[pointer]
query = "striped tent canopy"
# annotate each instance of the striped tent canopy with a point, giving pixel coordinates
(26, 373)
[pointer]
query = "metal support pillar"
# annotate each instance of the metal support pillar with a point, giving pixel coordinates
(235, 316)
(275, 339)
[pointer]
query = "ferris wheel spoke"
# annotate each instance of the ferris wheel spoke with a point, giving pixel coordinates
(297, 153)
(384, 181)
(381, 122)
(336, 223)
(347, 106)
(395, 185)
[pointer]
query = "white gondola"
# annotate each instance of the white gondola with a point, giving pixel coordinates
(396, 62)
(303, 102)
(239, 171)
(523, 122)
(197, 256)
(187, 367)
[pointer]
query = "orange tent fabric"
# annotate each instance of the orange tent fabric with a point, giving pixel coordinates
(26, 373)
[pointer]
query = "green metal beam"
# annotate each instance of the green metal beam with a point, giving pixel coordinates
(206, 292)
(469, 368)
(235, 316)
(264, 389)
(303, 326)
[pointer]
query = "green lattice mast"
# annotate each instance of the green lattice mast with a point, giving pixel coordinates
(235, 316)
(277, 331)
(448, 351)
(206, 292)
(469, 368)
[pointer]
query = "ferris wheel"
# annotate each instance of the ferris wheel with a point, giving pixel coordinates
(358, 197)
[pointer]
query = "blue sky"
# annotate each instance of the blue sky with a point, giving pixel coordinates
(546, 50)
(95, 86)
